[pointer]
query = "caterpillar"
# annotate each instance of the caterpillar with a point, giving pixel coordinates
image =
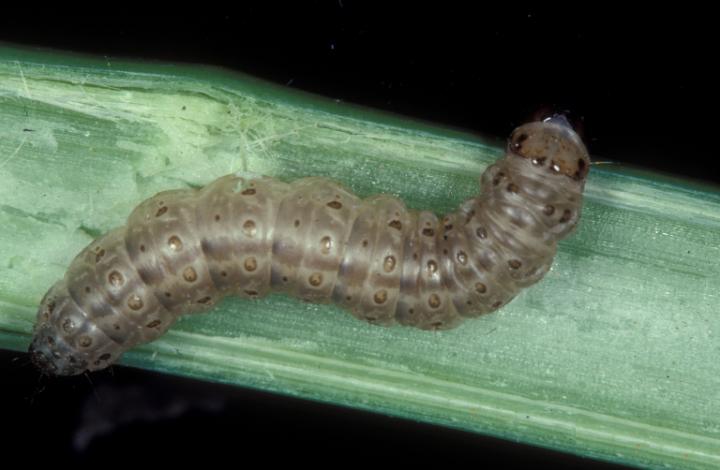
(181, 251)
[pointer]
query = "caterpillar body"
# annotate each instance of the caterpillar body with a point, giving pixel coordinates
(181, 251)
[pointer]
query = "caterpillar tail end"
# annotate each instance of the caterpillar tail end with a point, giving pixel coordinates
(49, 352)
(49, 357)
(64, 343)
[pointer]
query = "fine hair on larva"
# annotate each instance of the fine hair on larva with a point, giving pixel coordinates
(181, 251)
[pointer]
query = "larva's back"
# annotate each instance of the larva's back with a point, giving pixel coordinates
(182, 251)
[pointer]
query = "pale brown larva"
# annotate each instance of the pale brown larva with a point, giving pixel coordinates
(182, 251)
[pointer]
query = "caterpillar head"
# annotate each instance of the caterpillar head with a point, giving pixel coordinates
(552, 144)
(64, 342)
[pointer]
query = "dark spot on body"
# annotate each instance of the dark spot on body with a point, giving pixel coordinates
(517, 141)
(315, 279)
(396, 224)
(249, 228)
(325, 245)
(248, 192)
(428, 232)
(582, 169)
(161, 211)
(334, 204)
(189, 274)
(250, 264)
(175, 243)
(135, 302)
(567, 215)
(115, 279)
(389, 263)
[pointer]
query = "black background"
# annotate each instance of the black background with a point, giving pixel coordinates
(641, 85)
